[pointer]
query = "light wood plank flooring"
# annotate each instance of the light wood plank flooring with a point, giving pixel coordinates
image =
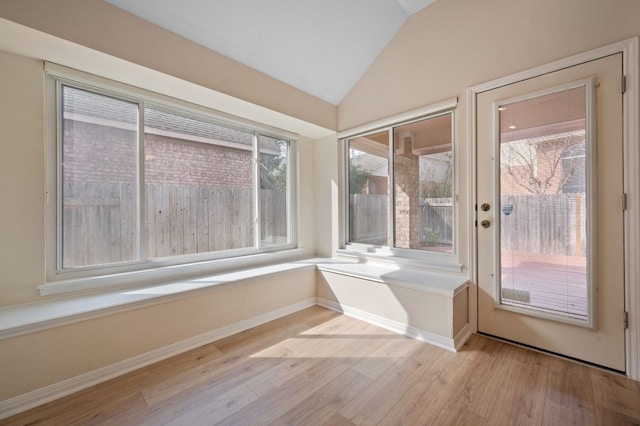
(318, 367)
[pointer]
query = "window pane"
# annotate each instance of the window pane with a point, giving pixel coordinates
(423, 185)
(543, 196)
(274, 226)
(198, 183)
(99, 179)
(369, 189)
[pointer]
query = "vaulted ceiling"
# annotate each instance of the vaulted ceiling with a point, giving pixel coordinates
(321, 47)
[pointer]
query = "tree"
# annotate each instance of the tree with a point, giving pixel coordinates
(438, 182)
(358, 178)
(537, 166)
(273, 168)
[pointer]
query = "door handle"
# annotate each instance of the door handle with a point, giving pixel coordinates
(485, 223)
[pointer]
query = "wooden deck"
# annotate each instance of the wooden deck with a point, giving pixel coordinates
(317, 367)
(549, 282)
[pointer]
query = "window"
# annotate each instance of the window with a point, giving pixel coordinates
(400, 186)
(143, 183)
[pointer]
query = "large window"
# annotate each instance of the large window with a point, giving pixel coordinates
(401, 194)
(143, 183)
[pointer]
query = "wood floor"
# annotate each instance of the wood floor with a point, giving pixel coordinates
(317, 367)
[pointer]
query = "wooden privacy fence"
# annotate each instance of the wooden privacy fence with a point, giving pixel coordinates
(436, 220)
(552, 224)
(99, 221)
(368, 220)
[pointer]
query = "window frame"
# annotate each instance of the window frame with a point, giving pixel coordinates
(59, 279)
(403, 256)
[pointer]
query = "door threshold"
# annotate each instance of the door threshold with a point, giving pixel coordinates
(555, 354)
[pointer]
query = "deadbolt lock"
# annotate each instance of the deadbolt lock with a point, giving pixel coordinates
(485, 223)
(485, 207)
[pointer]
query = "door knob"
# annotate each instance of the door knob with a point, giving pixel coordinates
(485, 223)
(485, 207)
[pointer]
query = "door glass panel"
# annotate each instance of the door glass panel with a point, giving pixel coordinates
(543, 203)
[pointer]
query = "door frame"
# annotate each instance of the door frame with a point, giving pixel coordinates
(631, 126)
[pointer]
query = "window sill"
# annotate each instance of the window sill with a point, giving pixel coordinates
(28, 318)
(165, 273)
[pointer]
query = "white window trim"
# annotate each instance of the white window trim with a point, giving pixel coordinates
(449, 262)
(145, 271)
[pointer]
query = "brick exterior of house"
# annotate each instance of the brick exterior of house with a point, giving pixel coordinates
(100, 154)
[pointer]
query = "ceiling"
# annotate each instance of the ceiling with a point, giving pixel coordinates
(321, 47)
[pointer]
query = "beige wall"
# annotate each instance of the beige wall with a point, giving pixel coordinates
(98, 25)
(22, 184)
(454, 44)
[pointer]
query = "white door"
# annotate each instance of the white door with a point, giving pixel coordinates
(550, 226)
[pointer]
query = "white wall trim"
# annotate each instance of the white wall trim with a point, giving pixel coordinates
(406, 330)
(631, 136)
(461, 338)
(20, 403)
(629, 50)
(473, 201)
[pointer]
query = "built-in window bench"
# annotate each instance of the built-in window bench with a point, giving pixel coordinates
(425, 305)
(59, 346)
(31, 317)
(428, 306)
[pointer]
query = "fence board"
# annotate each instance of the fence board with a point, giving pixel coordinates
(99, 225)
(202, 220)
(273, 223)
(368, 219)
(436, 221)
(100, 221)
(553, 224)
(151, 210)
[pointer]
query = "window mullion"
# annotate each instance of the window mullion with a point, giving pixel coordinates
(59, 174)
(391, 223)
(256, 191)
(141, 192)
(346, 212)
(291, 199)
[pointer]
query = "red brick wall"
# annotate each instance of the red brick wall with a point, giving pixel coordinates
(101, 154)
(181, 162)
(98, 154)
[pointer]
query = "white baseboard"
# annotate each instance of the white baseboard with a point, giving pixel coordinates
(463, 335)
(20, 403)
(424, 336)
